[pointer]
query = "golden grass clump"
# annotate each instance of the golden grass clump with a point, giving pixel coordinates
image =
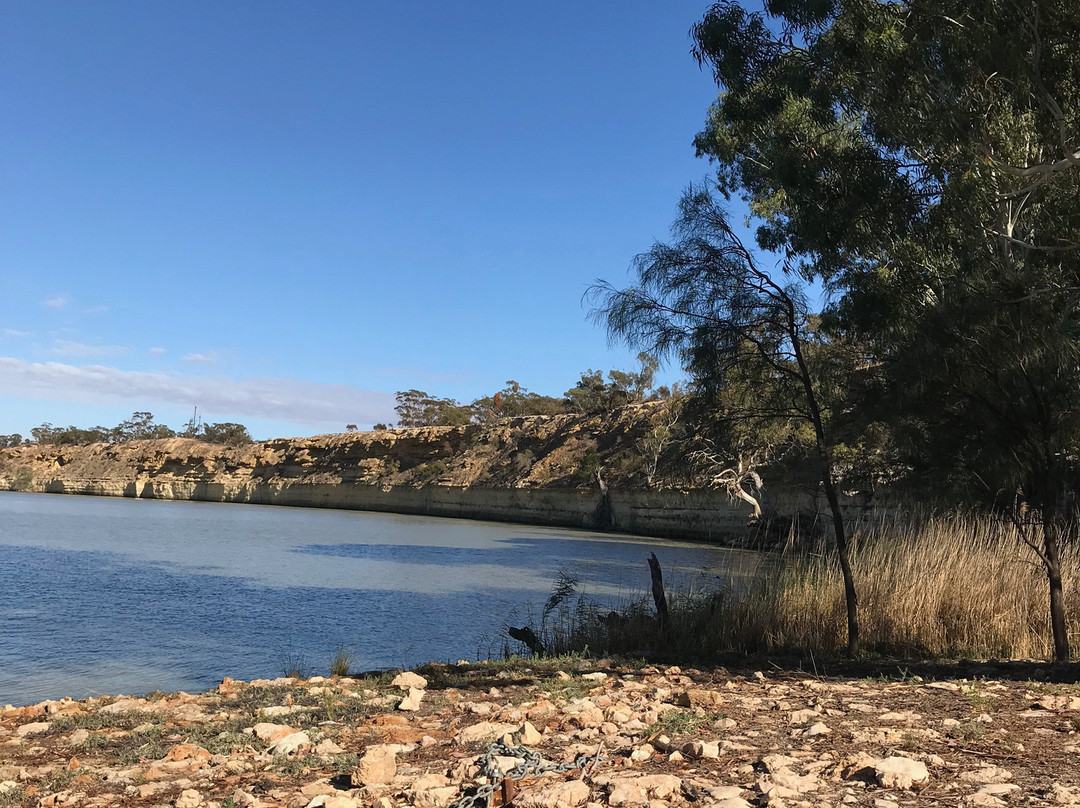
(930, 586)
(935, 586)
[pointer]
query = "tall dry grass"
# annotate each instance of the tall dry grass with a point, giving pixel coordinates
(929, 586)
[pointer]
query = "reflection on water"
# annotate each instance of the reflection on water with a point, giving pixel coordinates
(118, 595)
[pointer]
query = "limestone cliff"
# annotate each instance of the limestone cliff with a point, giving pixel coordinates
(531, 469)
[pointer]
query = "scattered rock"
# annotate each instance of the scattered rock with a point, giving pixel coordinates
(376, 767)
(328, 747)
(271, 732)
(288, 744)
(409, 681)
(901, 772)
(123, 706)
(527, 735)
(987, 774)
(36, 728)
(997, 789)
(627, 792)
(571, 794)
(437, 797)
(190, 798)
(483, 731)
(411, 702)
(804, 716)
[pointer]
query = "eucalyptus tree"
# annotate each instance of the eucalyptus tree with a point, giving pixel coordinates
(921, 158)
(705, 299)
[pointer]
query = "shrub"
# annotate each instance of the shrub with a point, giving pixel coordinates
(23, 479)
(427, 472)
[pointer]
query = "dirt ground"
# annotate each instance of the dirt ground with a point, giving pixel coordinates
(881, 735)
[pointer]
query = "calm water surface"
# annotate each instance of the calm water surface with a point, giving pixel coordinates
(102, 595)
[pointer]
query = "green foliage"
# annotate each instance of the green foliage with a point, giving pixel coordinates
(514, 401)
(140, 426)
(13, 797)
(944, 218)
(566, 689)
(227, 434)
(921, 158)
(417, 408)
(426, 472)
(591, 463)
(593, 395)
(11, 441)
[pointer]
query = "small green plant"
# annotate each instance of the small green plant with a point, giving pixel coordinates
(329, 706)
(13, 797)
(95, 741)
(342, 763)
(967, 732)
(523, 462)
(679, 722)
(141, 746)
(341, 662)
(911, 742)
(56, 781)
(567, 689)
(99, 720)
(980, 700)
(294, 766)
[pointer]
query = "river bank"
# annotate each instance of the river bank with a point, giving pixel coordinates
(624, 736)
(535, 470)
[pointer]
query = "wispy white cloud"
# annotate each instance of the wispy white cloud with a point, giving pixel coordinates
(57, 302)
(208, 358)
(15, 333)
(156, 351)
(96, 310)
(301, 402)
(83, 350)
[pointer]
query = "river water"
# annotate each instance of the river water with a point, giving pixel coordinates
(103, 595)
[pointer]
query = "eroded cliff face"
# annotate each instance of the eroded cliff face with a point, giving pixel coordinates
(527, 452)
(532, 469)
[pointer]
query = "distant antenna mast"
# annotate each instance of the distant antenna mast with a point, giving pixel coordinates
(194, 425)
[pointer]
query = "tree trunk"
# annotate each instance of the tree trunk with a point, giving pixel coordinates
(850, 596)
(1052, 552)
(604, 516)
(825, 458)
(659, 598)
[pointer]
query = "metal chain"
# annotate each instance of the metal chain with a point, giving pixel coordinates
(532, 763)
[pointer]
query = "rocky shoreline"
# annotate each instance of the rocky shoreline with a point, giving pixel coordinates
(586, 734)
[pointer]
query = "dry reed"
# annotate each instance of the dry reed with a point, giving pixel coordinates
(930, 586)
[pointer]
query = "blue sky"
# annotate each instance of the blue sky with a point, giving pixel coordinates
(284, 212)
